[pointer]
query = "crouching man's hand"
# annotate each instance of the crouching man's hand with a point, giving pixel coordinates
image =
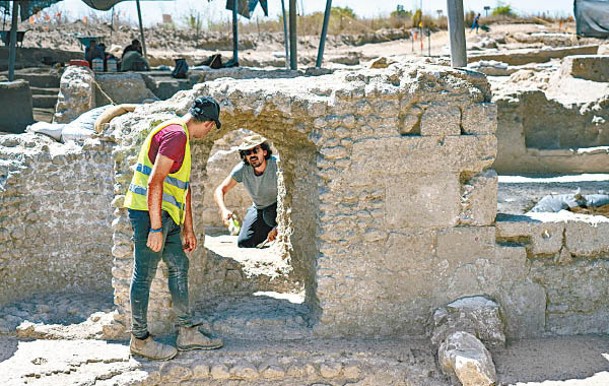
(272, 234)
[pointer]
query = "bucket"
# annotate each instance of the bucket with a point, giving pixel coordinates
(97, 65)
(78, 62)
(112, 65)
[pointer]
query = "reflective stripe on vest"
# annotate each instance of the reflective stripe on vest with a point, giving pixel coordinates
(175, 185)
(170, 180)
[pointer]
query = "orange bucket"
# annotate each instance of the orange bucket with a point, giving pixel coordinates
(78, 62)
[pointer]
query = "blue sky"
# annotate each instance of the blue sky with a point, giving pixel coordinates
(214, 10)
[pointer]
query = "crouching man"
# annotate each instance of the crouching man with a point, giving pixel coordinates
(159, 203)
(258, 173)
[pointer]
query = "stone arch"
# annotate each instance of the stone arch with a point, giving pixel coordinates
(298, 204)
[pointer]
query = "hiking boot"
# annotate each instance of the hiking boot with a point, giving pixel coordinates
(150, 349)
(190, 338)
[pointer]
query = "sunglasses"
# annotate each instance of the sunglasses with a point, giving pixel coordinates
(252, 151)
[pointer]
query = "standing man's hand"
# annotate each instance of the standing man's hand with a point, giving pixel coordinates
(155, 241)
(226, 215)
(190, 241)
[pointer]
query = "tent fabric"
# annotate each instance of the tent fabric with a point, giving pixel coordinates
(28, 8)
(102, 5)
(592, 18)
(246, 7)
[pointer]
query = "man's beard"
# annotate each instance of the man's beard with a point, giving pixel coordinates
(255, 161)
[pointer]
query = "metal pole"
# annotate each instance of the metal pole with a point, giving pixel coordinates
(293, 36)
(12, 47)
(324, 32)
(285, 36)
(456, 28)
(139, 17)
(235, 33)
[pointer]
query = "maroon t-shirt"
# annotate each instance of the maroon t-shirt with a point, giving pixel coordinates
(171, 142)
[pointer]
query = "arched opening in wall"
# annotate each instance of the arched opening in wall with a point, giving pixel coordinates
(245, 292)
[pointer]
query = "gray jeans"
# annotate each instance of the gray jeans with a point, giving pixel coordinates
(144, 269)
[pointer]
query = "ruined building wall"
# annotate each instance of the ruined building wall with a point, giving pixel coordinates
(385, 171)
(537, 135)
(389, 208)
(554, 120)
(55, 216)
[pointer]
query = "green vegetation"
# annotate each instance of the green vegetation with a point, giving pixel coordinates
(503, 10)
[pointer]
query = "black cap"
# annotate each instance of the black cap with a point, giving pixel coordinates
(206, 109)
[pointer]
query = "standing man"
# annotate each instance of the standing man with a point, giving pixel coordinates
(476, 23)
(159, 200)
(258, 173)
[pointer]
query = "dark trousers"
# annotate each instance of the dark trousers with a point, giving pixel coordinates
(144, 270)
(256, 226)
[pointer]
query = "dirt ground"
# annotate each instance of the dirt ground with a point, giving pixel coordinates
(564, 361)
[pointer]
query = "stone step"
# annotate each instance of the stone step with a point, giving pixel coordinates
(45, 91)
(44, 114)
(398, 362)
(44, 101)
(40, 80)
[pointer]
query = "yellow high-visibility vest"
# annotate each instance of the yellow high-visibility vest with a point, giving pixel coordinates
(175, 186)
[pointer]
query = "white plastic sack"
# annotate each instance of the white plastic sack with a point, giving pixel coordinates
(53, 130)
(82, 127)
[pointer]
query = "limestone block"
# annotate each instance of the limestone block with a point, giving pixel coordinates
(427, 201)
(330, 370)
(219, 371)
(479, 119)
(124, 87)
(351, 372)
(477, 315)
(589, 67)
(273, 372)
(410, 122)
(479, 199)
(462, 245)
(588, 238)
(415, 154)
(18, 95)
(406, 252)
(513, 262)
(76, 94)
(200, 371)
(244, 370)
(464, 358)
(524, 306)
(579, 323)
(541, 238)
(577, 288)
(175, 372)
(441, 119)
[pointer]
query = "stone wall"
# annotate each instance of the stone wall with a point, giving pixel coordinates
(562, 279)
(388, 210)
(384, 170)
(538, 135)
(55, 218)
